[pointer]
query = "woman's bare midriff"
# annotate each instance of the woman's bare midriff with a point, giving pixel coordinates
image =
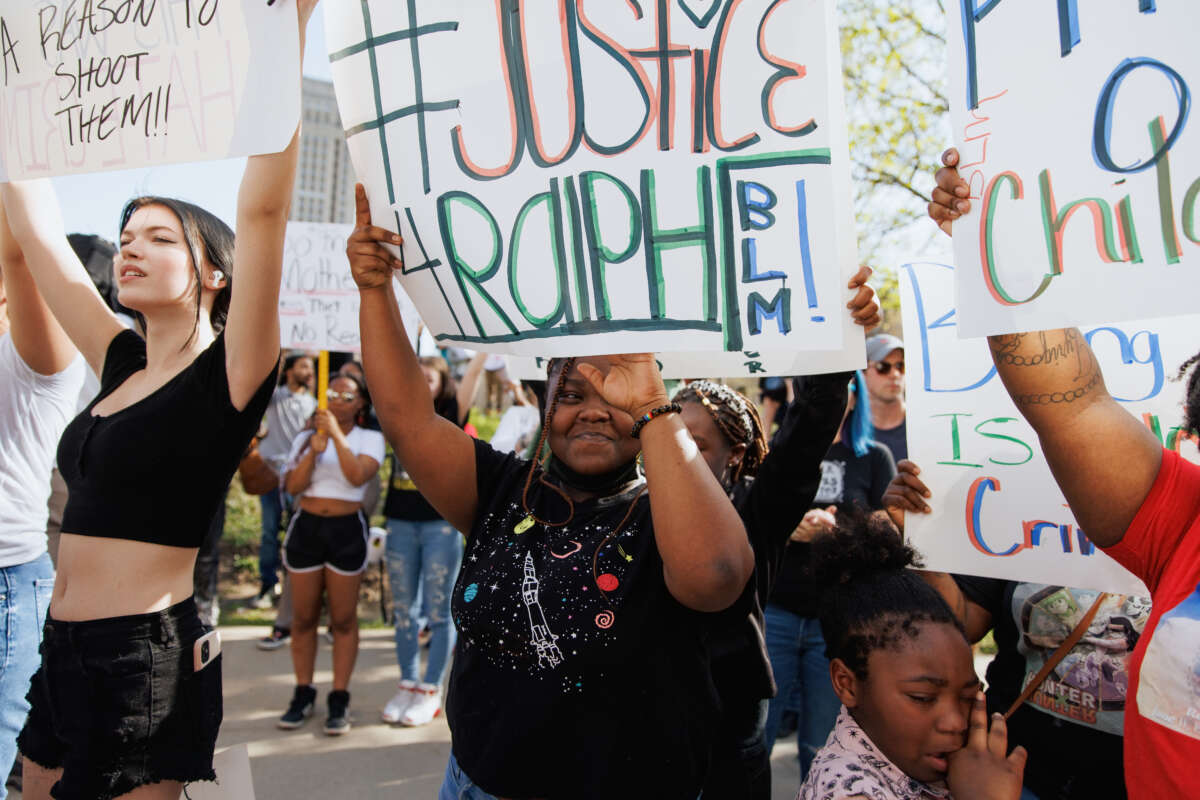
(99, 578)
(329, 507)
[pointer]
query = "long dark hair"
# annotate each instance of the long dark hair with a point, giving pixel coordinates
(870, 600)
(206, 237)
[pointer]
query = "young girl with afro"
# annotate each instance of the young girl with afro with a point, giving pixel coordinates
(913, 723)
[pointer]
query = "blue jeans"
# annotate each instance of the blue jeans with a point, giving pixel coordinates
(25, 591)
(423, 560)
(268, 550)
(797, 652)
(457, 786)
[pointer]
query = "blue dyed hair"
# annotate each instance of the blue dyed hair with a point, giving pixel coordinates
(859, 431)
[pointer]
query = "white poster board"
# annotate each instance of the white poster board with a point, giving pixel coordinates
(1072, 123)
(748, 364)
(629, 176)
(318, 299)
(996, 508)
(93, 86)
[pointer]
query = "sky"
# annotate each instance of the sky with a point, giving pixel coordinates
(92, 203)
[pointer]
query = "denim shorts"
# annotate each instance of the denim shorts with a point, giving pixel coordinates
(117, 704)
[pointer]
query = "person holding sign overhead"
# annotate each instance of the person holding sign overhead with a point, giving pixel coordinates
(1137, 500)
(586, 591)
(127, 701)
(41, 375)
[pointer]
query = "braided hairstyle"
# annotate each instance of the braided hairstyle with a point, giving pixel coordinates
(736, 418)
(870, 600)
(563, 367)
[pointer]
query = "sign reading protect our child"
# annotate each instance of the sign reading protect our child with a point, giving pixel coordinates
(318, 299)
(997, 509)
(92, 85)
(575, 178)
(1072, 121)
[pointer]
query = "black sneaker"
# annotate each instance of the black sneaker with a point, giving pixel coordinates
(300, 709)
(338, 721)
(275, 640)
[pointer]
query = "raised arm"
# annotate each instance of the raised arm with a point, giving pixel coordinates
(706, 556)
(1103, 459)
(908, 494)
(468, 385)
(788, 478)
(40, 341)
(438, 455)
(252, 330)
(39, 242)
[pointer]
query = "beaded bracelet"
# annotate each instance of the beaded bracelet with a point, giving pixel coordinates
(670, 408)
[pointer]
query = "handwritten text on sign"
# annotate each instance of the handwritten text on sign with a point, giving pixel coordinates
(89, 85)
(318, 300)
(997, 510)
(1083, 160)
(577, 177)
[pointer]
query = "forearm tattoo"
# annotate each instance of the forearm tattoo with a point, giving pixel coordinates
(1047, 350)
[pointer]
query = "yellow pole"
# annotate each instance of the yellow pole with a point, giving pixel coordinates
(322, 379)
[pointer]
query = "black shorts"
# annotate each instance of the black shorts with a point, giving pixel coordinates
(117, 704)
(313, 543)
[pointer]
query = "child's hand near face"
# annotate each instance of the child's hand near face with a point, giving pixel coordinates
(980, 771)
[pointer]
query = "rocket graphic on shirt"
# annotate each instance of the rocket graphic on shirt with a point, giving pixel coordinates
(547, 651)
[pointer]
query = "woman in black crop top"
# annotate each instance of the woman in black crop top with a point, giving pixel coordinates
(583, 603)
(117, 704)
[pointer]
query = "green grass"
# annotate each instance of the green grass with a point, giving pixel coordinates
(243, 526)
(485, 423)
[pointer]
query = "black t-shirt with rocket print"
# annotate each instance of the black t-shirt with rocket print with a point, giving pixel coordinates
(575, 670)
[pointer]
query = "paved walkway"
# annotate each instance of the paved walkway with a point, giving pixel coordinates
(373, 760)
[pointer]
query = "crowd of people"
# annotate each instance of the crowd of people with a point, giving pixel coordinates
(640, 604)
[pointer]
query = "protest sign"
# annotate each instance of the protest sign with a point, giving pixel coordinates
(318, 300)
(997, 509)
(576, 178)
(747, 364)
(92, 85)
(1083, 167)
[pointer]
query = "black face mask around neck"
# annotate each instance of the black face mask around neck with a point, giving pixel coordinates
(603, 484)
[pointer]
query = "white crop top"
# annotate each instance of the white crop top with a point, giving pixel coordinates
(328, 480)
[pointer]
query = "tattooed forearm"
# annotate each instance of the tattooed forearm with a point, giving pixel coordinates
(1051, 398)
(1046, 368)
(1037, 349)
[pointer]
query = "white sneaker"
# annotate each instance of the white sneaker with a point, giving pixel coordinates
(426, 704)
(400, 702)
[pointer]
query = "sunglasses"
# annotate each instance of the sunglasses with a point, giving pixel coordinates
(345, 397)
(884, 367)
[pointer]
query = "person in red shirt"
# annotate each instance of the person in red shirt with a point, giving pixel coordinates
(1136, 500)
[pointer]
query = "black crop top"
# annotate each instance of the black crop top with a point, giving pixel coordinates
(157, 470)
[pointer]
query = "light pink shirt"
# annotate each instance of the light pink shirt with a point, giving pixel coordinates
(850, 766)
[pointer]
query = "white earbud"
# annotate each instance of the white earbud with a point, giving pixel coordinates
(217, 277)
